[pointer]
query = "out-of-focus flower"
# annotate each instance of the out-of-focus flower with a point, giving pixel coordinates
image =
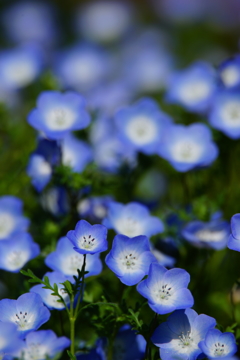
(42, 344)
(132, 219)
(94, 208)
(166, 290)
(193, 87)
(28, 312)
(55, 200)
(218, 345)
(104, 21)
(180, 335)
(142, 125)
(229, 72)
(40, 171)
(76, 153)
(9, 340)
(225, 113)
(87, 238)
(20, 66)
(213, 234)
(12, 221)
(130, 258)
(189, 147)
(48, 299)
(234, 238)
(82, 67)
(163, 259)
(57, 114)
(16, 252)
(66, 260)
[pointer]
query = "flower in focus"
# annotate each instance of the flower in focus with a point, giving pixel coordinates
(180, 335)
(66, 260)
(142, 125)
(166, 290)
(28, 312)
(193, 88)
(87, 238)
(130, 258)
(189, 147)
(218, 345)
(132, 219)
(57, 114)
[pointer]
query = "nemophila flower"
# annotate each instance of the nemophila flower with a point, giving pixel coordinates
(163, 259)
(16, 252)
(42, 344)
(76, 153)
(66, 260)
(142, 125)
(97, 353)
(225, 113)
(55, 200)
(166, 290)
(19, 67)
(94, 207)
(40, 171)
(180, 335)
(130, 258)
(48, 299)
(213, 234)
(87, 238)
(104, 21)
(9, 340)
(229, 72)
(12, 221)
(193, 88)
(38, 17)
(132, 219)
(57, 114)
(234, 238)
(218, 344)
(188, 147)
(82, 67)
(27, 312)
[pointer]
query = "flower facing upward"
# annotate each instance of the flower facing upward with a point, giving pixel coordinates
(218, 345)
(166, 289)
(87, 238)
(130, 258)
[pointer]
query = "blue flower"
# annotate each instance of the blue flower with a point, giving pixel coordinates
(225, 113)
(87, 238)
(12, 221)
(193, 88)
(94, 208)
(55, 200)
(213, 234)
(9, 339)
(44, 343)
(130, 258)
(178, 338)
(48, 299)
(163, 259)
(57, 114)
(66, 260)
(142, 125)
(16, 252)
(76, 153)
(19, 67)
(229, 72)
(82, 67)
(218, 345)
(132, 219)
(189, 147)
(28, 312)
(234, 238)
(166, 290)
(40, 171)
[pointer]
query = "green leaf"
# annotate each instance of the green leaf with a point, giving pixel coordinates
(71, 356)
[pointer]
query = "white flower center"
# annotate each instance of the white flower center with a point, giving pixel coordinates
(141, 130)
(87, 242)
(60, 118)
(53, 300)
(231, 113)
(20, 73)
(186, 151)
(99, 211)
(219, 349)
(6, 225)
(230, 75)
(163, 293)
(72, 263)
(24, 320)
(129, 261)
(42, 166)
(129, 226)
(195, 91)
(35, 351)
(185, 340)
(210, 235)
(16, 259)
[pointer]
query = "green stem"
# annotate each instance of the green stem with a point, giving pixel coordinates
(82, 286)
(148, 353)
